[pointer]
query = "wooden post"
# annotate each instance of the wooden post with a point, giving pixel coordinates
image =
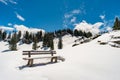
(29, 61)
(54, 59)
(51, 53)
(51, 59)
(29, 55)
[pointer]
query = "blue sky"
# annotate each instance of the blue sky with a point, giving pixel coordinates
(57, 14)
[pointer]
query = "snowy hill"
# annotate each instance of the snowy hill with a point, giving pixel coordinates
(89, 61)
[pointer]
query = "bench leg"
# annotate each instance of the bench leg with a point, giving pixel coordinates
(54, 59)
(30, 62)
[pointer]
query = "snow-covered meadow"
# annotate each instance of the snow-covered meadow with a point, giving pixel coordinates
(88, 61)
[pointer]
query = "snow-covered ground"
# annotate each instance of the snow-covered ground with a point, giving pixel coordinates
(88, 61)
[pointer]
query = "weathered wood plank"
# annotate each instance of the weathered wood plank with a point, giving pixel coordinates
(39, 57)
(38, 52)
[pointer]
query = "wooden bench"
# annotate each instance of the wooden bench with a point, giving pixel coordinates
(30, 53)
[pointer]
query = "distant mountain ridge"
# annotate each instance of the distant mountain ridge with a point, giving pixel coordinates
(21, 28)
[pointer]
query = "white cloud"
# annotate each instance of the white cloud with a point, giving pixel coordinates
(87, 27)
(6, 2)
(72, 13)
(76, 11)
(68, 15)
(19, 17)
(102, 17)
(13, 2)
(9, 24)
(73, 20)
(107, 26)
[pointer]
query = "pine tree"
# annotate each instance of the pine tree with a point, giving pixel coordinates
(52, 45)
(51, 42)
(44, 40)
(70, 31)
(85, 34)
(76, 33)
(0, 35)
(13, 42)
(4, 35)
(116, 24)
(9, 36)
(89, 34)
(80, 33)
(35, 43)
(39, 36)
(60, 45)
(19, 35)
(31, 36)
(26, 36)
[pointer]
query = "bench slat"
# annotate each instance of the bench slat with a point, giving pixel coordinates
(39, 57)
(38, 52)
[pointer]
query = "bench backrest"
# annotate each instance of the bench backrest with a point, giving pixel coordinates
(29, 53)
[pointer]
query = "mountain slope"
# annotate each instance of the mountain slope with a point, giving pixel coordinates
(89, 61)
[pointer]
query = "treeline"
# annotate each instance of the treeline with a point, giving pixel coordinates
(81, 33)
(47, 38)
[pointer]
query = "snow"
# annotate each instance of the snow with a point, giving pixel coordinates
(21, 28)
(88, 61)
(87, 27)
(24, 28)
(109, 36)
(4, 28)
